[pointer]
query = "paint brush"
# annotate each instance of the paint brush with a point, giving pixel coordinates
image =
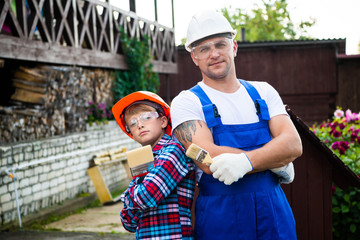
(198, 154)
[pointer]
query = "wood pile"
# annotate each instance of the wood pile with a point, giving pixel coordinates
(50, 100)
(101, 90)
(20, 124)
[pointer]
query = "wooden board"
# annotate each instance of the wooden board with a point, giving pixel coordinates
(99, 184)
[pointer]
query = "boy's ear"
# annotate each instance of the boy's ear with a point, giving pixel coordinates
(164, 122)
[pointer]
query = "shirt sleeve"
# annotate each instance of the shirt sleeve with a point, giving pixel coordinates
(129, 218)
(185, 107)
(272, 98)
(169, 169)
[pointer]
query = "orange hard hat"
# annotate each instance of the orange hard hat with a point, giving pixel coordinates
(143, 97)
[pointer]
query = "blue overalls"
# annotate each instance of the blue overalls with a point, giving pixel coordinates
(254, 207)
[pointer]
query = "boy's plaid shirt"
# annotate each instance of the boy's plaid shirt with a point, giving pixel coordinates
(159, 207)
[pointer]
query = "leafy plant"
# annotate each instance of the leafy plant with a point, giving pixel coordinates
(98, 113)
(268, 22)
(342, 136)
(139, 75)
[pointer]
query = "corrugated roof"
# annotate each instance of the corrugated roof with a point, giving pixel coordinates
(352, 56)
(291, 42)
(340, 42)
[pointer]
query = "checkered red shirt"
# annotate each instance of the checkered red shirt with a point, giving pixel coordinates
(159, 206)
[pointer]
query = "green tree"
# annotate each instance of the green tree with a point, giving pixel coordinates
(267, 23)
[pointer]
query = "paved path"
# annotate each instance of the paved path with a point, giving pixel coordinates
(94, 223)
(53, 235)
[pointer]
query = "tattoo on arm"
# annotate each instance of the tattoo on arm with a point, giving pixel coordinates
(185, 131)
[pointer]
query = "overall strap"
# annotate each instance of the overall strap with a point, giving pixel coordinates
(260, 104)
(212, 116)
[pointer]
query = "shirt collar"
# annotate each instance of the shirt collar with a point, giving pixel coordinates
(162, 142)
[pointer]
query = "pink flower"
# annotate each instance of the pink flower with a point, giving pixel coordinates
(354, 116)
(342, 146)
(336, 133)
(341, 126)
(338, 113)
(354, 136)
(348, 115)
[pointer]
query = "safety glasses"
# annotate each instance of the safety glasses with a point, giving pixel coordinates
(144, 118)
(204, 50)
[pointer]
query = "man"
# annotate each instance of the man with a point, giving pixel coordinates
(245, 128)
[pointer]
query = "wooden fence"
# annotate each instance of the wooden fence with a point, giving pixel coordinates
(79, 32)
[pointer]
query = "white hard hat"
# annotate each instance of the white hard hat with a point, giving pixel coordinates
(205, 24)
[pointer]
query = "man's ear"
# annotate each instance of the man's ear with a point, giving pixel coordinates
(235, 48)
(194, 59)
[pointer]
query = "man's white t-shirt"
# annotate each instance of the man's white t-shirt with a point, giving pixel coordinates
(234, 108)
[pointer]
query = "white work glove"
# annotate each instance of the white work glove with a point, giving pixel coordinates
(286, 173)
(230, 167)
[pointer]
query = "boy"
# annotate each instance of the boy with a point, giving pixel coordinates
(157, 205)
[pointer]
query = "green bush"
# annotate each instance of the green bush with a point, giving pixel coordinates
(341, 135)
(140, 75)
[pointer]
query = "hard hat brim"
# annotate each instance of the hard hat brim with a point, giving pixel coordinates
(126, 101)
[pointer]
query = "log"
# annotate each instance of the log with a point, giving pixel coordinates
(28, 96)
(29, 75)
(17, 83)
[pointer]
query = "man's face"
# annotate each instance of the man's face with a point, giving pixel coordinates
(215, 57)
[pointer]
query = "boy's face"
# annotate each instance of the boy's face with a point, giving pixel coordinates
(145, 124)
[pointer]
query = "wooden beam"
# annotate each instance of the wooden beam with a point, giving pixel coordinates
(16, 48)
(162, 67)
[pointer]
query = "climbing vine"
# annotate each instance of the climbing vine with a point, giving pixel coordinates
(140, 74)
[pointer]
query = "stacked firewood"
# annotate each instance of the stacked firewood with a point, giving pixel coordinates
(68, 95)
(51, 101)
(101, 90)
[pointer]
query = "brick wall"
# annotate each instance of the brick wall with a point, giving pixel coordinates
(55, 169)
